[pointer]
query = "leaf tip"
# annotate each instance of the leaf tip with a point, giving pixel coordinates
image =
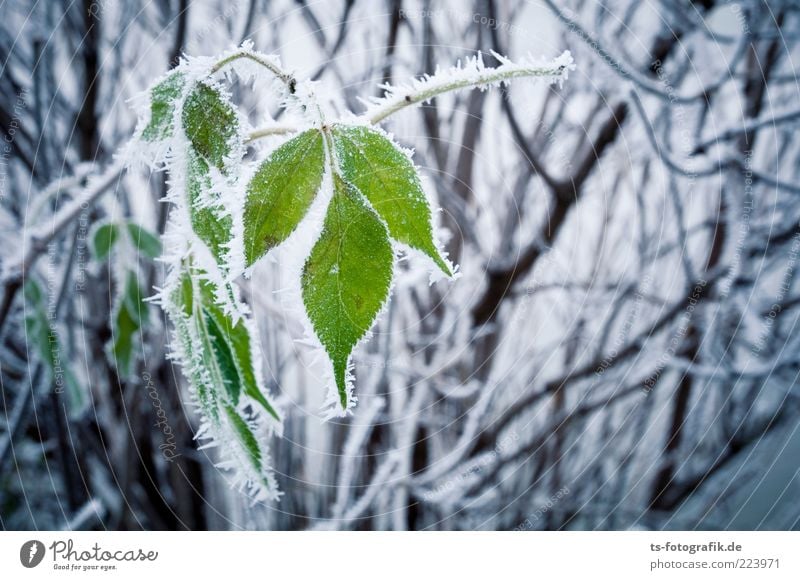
(445, 266)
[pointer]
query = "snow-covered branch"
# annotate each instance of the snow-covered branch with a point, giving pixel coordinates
(473, 74)
(37, 241)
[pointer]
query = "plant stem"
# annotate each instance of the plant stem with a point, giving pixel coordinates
(269, 131)
(287, 78)
(397, 100)
(330, 152)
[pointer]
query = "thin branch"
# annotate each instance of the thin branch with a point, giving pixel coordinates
(37, 243)
(587, 370)
(472, 74)
(501, 280)
(749, 127)
(285, 77)
(516, 130)
(559, 422)
(269, 131)
(382, 476)
(713, 169)
(633, 76)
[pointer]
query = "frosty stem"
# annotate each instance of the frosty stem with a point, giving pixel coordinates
(444, 83)
(269, 131)
(287, 78)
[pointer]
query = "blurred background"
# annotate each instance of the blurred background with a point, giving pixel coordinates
(619, 353)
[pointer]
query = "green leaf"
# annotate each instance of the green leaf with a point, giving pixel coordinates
(247, 440)
(126, 325)
(134, 299)
(32, 292)
(238, 340)
(232, 343)
(105, 236)
(224, 359)
(216, 354)
(281, 192)
(388, 179)
(210, 348)
(181, 309)
(346, 278)
(185, 295)
(226, 346)
(210, 123)
(162, 107)
(130, 317)
(213, 230)
(146, 243)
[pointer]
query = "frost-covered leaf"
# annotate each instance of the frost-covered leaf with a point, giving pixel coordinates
(146, 243)
(210, 123)
(188, 346)
(103, 240)
(247, 440)
(223, 357)
(346, 278)
(227, 345)
(33, 294)
(162, 107)
(225, 377)
(217, 361)
(386, 176)
(281, 192)
(232, 346)
(212, 229)
(185, 295)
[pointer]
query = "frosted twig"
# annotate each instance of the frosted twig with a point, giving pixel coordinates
(269, 131)
(472, 74)
(382, 475)
(262, 60)
(63, 183)
(465, 443)
(37, 243)
(95, 188)
(352, 452)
